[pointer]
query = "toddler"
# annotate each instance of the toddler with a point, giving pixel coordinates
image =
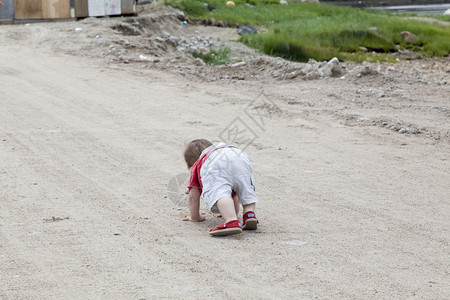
(224, 175)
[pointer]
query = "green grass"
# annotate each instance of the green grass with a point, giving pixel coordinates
(439, 17)
(214, 58)
(300, 31)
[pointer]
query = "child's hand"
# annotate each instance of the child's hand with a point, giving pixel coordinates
(199, 219)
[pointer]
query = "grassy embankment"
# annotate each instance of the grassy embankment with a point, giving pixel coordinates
(300, 31)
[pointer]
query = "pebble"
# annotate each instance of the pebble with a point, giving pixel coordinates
(174, 39)
(239, 64)
(296, 243)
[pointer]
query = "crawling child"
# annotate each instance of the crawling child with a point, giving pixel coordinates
(224, 175)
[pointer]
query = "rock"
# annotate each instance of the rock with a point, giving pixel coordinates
(313, 75)
(365, 70)
(334, 61)
(447, 12)
(404, 130)
(408, 36)
(307, 68)
(220, 24)
(246, 30)
(331, 69)
(363, 49)
(326, 71)
(159, 39)
(239, 64)
(199, 62)
(143, 57)
(174, 39)
(209, 7)
(249, 5)
(283, 2)
(179, 14)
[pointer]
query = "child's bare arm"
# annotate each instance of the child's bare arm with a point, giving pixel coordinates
(194, 206)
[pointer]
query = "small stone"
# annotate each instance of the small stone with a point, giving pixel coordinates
(307, 68)
(334, 61)
(246, 30)
(174, 39)
(408, 36)
(239, 64)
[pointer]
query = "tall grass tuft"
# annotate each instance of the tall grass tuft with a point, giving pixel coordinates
(214, 58)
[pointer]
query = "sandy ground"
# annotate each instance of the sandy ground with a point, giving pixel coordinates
(350, 208)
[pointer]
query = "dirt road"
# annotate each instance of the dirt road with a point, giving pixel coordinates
(350, 208)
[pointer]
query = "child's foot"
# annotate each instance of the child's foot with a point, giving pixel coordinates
(232, 227)
(250, 221)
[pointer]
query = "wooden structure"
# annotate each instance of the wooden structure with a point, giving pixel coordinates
(60, 9)
(6, 10)
(55, 9)
(42, 9)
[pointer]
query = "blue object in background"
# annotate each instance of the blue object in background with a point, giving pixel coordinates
(6, 9)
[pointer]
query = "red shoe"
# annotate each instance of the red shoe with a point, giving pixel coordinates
(232, 227)
(250, 221)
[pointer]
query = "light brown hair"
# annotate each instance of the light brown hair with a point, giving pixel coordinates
(194, 149)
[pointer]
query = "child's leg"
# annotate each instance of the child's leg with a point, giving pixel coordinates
(249, 207)
(237, 206)
(227, 209)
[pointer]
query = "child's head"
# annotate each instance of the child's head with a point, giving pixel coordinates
(194, 149)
